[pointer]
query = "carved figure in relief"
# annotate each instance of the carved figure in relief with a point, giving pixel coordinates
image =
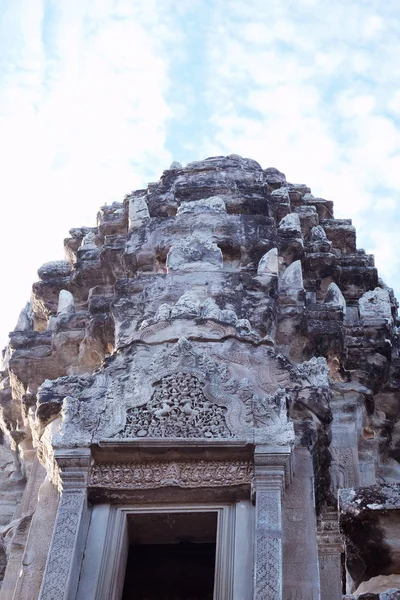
(341, 468)
(178, 408)
(183, 357)
(270, 409)
(263, 411)
(337, 476)
(153, 474)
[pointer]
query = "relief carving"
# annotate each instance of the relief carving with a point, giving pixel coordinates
(268, 546)
(178, 408)
(268, 569)
(270, 370)
(183, 357)
(342, 468)
(64, 539)
(269, 410)
(182, 391)
(184, 474)
(194, 318)
(329, 561)
(328, 534)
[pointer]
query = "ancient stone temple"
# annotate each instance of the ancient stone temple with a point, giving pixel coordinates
(202, 403)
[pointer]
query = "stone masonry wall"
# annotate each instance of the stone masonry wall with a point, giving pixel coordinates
(266, 260)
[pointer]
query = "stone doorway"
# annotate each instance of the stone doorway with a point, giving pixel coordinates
(171, 556)
(114, 530)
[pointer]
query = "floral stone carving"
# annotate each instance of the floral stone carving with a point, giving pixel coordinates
(182, 473)
(178, 408)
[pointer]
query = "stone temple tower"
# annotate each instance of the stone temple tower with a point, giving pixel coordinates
(202, 403)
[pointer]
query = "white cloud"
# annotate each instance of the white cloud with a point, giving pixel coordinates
(393, 103)
(83, 117)
(320, 100)
(96, 94)
(354, 106)
(382, 246)
(373, 26)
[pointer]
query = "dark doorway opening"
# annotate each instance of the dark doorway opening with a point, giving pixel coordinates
(171, 556)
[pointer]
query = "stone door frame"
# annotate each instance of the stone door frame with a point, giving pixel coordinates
(264, 478)
(103, 572)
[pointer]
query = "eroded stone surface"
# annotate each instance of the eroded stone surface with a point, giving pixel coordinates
(220, 303)
(381, 583)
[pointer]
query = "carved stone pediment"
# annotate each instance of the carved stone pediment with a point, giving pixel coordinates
(195, 394)
(182, 390)
(185, 390)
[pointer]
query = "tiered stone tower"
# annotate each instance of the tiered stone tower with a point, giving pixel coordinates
(216, 359)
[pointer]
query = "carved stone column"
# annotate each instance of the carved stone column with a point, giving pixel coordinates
(272, 468)
(300, 551)
(330, 547)
(61, 576)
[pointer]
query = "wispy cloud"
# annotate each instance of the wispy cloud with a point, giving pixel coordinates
(83, 118)
(98, 96)
(313, 89)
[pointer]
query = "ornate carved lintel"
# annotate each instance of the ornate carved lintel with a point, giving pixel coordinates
(177, 473)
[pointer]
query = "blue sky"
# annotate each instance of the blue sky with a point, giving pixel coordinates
(98, 97)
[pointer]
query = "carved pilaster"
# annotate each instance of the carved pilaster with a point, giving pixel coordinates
(62, 569)
(330, 547)
(272, 469)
